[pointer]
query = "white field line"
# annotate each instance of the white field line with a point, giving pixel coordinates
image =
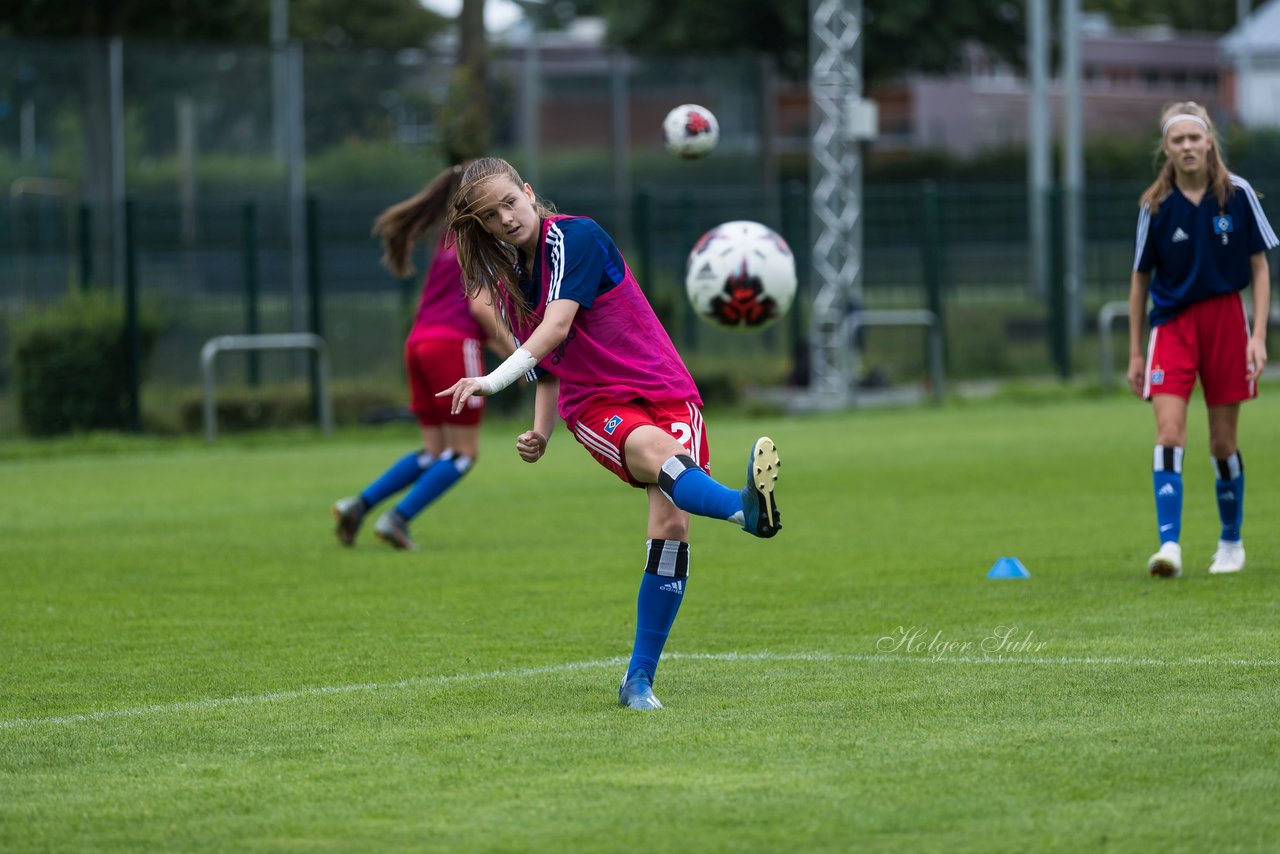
(569, 667)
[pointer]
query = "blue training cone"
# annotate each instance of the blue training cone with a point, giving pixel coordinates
(1008, 567)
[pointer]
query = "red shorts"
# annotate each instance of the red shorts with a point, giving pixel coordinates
(434, 363)
(1209, 338)
(604, 425)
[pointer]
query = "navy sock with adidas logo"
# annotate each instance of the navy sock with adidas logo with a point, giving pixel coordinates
(1229, 486)
(1166, 480)
(661, 591)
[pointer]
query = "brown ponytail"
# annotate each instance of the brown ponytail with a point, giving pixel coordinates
(399, 225)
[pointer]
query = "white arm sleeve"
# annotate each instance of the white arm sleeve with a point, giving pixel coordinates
(517, 364)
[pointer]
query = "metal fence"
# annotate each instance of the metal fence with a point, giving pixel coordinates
(233, 233)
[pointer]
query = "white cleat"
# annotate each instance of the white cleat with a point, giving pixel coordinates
(1166, 563)
(1228, 558)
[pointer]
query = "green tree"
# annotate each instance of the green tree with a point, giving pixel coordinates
(1186, 15)
(390, 23)
(899, 36)
(464, 121)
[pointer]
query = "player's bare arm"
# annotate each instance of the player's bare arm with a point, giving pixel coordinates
(1261, 288)
(550, 333)
(497, 337)
(532, 444)
(1139, 286)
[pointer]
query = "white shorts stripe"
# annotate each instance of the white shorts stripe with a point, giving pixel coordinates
(597, 443)
(1146, 372)
(1244, 318)
(696, 426)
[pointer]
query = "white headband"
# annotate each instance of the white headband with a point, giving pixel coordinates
(1183, 117)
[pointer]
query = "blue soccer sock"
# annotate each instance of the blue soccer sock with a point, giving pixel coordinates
(433, 483)
(403, 472)
(694, 491)
(661, 592)
(1166, 477)
(1230, 488)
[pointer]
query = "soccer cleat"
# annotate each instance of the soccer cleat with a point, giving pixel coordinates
(348, 513)
(392, 529)
(1228, 558)
(1166, 563)
(760, 514)
(636, 692)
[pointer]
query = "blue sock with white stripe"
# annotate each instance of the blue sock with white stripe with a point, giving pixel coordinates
(1230, 488)
(661, 592)
(403, 472)
(694, 491)
(433, 483)
(1166, 478)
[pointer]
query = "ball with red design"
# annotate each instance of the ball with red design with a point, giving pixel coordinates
(691, 131)
(741, 276)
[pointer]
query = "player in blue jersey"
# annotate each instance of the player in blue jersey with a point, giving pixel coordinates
(1202, 240)
(614, 377)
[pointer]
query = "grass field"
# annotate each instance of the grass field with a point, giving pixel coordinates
(191, 662)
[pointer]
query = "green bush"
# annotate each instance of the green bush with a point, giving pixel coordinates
(72, 364)
(240, 408)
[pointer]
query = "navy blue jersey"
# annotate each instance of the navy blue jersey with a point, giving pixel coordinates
(616, 348)
(583, 259)
(1194, 252)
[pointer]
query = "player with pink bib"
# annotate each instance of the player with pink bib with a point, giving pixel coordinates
(603, 363)
(447, 338)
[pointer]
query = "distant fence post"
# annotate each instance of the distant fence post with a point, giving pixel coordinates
(315, 319)
(1059, 343)
(644, 237)
(250, 220)
(133, 334)
(795, 210)
(84, 231)
(931, 258)
(689, 236)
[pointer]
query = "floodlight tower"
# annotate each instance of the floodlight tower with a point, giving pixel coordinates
(840, 120)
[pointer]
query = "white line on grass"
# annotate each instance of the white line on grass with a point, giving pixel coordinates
(569, 667)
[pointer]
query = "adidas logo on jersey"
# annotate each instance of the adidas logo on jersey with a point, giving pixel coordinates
(1179, 235)
(676, 587)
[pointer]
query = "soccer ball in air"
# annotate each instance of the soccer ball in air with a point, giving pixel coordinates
(691, 131)
(740, 275)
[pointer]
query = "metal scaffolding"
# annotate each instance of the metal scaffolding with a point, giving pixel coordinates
(839, 120)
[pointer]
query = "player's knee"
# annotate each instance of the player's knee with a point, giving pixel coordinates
(675, 528)
(1222, 447)
(670, 470)
(461, 462)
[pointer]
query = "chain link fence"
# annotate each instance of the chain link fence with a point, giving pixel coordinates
(234, 234)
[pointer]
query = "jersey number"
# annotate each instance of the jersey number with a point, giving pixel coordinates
(683, 433)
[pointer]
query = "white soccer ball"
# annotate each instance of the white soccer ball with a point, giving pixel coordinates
(691, 131)
(741, 275)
